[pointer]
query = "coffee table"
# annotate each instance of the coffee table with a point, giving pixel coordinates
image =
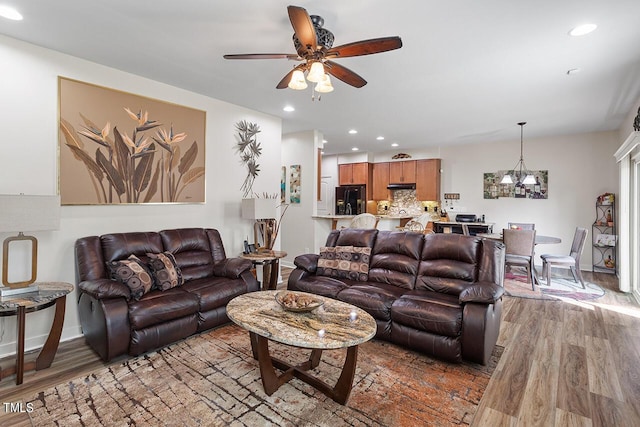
(334, 325)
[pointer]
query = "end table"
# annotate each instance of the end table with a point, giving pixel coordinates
(270, 262)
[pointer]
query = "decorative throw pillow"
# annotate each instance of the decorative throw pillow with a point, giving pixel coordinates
(133, 273)
(344, 262)
(165, 270)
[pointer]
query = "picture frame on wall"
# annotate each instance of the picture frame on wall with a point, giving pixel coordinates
(121, 148)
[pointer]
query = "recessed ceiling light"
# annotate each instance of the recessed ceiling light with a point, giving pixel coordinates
(322, 152)
(288, 108)
(353, 131)
(355, 149)
(10, 13)
(380, 138)
(324, 141)
(395, 144)
(573, 71)
(583, 29)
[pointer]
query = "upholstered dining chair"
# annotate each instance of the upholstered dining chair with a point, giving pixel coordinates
(519, 250)
(365, 220)
(521, 226)
(572, 260)
(418, 224)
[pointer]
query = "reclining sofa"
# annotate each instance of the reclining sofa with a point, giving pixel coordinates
(440, 294)
(143, 290)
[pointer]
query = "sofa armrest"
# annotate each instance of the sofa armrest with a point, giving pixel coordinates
(307, 262)
(105, 288)
(481, 292)
(231, 268)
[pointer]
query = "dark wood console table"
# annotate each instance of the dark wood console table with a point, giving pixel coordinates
(48, 294)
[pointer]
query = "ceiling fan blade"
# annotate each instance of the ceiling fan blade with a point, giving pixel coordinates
(284, 83)
(365, 47)
(344, 74)
(263, 56)
(303, 28)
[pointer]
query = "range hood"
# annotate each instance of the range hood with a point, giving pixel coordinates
(401, 186)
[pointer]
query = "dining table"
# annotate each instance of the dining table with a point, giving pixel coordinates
(540, 240)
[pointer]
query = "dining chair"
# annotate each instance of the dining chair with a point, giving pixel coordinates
(418, 224)
(365, 220)
(519, 250)
(572, 260)
(521, 226)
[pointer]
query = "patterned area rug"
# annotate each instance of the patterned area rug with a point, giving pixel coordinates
(211, 379)
(516, 285)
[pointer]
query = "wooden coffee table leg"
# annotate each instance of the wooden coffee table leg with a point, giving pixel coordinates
(270, 380)
(342, 389)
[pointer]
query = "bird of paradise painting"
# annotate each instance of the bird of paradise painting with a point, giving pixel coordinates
(117, 148)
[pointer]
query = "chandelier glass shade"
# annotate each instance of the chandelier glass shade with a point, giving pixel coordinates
(297, 81)
(520, 172)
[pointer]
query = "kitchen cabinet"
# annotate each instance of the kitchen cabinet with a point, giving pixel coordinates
(428, 179)
(402, 172)
(380, 181)
(354, 173)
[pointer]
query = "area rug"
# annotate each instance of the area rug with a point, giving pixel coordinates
(516, 285)
(212, 380)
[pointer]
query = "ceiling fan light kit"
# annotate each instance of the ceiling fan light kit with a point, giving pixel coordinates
(314, 46)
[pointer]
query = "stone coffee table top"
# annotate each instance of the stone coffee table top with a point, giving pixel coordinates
(333, 325)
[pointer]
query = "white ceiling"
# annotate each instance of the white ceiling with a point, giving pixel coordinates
(469, 70)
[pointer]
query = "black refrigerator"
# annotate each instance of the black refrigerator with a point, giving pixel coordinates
(351, 200)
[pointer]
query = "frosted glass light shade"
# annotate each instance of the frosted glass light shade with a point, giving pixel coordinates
(529, 180)
(324, 86)
(506, 179)
(316, 72)
(29, 213)
(297, 81)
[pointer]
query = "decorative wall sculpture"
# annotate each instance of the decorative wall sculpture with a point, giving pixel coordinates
(118, 148)
(494, 190)
(249, 149)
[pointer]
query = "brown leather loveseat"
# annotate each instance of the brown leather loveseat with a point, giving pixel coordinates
(440, 294)
(126, 318)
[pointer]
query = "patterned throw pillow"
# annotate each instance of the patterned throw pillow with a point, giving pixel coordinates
(133, 273)
(165, 270)
(344, 262)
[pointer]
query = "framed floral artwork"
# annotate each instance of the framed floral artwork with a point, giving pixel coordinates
(122, 148)
(294, 183)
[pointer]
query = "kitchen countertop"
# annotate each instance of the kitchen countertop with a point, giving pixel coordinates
(353, 216)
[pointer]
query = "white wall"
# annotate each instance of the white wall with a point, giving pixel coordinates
(297, 231)
(28, 164)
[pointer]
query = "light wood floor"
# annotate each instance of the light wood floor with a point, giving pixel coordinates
(564, 364)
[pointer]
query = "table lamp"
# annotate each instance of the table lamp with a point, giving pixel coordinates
(20, 213)
(263, 212)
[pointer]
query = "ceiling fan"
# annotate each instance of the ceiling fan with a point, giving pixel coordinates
(314, 46)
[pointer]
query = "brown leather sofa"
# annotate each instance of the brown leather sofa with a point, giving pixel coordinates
(440, 294)
(114, 323)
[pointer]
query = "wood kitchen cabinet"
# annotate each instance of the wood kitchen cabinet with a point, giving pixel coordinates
(380, 181)
(428, 179)
(402, 172)
(354, 173)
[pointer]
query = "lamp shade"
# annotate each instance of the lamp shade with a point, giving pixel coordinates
(324, 85)
(297, 81)
(258, 208)
(316, 72)
(29, 213)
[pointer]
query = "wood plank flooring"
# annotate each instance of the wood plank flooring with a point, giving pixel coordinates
(564, 364)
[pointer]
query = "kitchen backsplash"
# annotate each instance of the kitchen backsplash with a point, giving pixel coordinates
(404, 202)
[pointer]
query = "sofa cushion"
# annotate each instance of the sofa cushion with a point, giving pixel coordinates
(395, 258)
(214, 292)
(449, 263)
(433, 312)
(344, 262)
(166, 272)
(375, 298)
(159, 307)
(320, 285)
(133, 273)
(120, 245)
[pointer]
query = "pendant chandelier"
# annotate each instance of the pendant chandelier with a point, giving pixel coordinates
(519, 171)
